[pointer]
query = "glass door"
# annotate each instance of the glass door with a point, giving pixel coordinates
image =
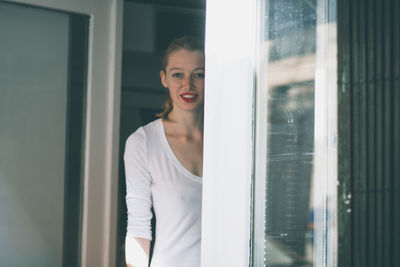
(34, 112)
(270, 172)
(58, 112)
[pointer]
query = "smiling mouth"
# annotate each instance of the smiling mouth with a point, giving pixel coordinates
(188, 98)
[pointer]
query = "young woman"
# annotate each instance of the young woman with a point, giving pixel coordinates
(163, 165)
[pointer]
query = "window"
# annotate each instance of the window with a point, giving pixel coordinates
(269, 192)
(295, 144)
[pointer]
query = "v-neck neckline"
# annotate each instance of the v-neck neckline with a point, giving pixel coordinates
(172, 155)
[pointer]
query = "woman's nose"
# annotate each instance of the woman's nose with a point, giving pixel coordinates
(188, 83)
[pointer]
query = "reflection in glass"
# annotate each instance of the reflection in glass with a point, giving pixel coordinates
(295, 166)
(296, 135)
(289, 219)
(290, 31)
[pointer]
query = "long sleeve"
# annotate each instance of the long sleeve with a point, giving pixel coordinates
(138, 186)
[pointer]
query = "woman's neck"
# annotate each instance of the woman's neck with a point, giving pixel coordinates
(187, 123)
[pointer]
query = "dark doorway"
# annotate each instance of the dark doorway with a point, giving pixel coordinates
(148, 27)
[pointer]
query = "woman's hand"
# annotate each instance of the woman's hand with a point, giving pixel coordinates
(137, 252)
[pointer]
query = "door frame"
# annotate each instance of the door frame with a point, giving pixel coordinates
(228, 133)
(101, 144)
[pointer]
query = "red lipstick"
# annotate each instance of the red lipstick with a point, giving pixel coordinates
(189, 97)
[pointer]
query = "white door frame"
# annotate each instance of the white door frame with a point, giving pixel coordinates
(228, 133)
(100, 192)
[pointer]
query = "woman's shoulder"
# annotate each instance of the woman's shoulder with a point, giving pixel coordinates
(146, 132)
(152, 126)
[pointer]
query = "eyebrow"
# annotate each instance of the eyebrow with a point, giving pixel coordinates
(202, 68)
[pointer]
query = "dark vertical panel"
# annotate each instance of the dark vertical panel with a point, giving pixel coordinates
(355, 142)
(369, 90)
(76, 96)
(387, 124)
(363, 132)
(344, 150)
(378, 131)
(396, 120)
(371, 204)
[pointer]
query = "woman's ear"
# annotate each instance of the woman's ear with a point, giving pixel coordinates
(163, 79)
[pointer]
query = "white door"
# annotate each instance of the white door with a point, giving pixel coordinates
(270, 173)
(59, 117)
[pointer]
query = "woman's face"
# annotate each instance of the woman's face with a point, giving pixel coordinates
(184, 78)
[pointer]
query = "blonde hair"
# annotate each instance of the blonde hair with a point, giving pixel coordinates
(187, 42)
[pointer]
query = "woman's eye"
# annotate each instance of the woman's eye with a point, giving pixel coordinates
(177, 75)
(199, 75)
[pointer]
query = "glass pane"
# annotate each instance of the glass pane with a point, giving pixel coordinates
(290, 55)
(291, 67)
(37, 167)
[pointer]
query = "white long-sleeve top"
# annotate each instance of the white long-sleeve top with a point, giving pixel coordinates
(155, 177)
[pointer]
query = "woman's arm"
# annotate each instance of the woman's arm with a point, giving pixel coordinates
(137, 252)
(138, 201)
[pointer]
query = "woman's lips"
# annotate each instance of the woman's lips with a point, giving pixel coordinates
(189, 97)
